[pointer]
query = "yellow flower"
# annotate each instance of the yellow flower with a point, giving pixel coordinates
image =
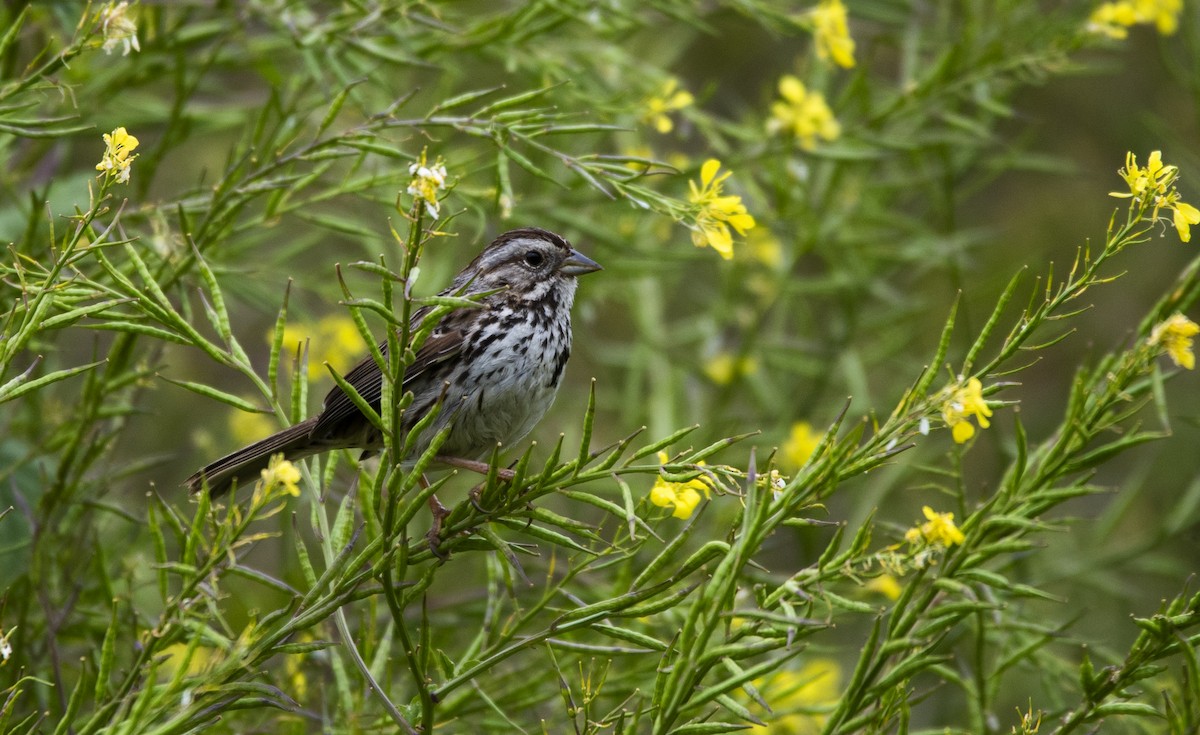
(717, 213)
(281, 473)
(937, 530)
(1149, 183)
(679, 160)
(800, 445)
(1175, 337)
(724, 367)
(1031, 721)
(334, 340)
(1184, 216)
(293, 667)
(801, 700)
(427, 181)
(763, 247)
(832, 33)
(249, 426)
(886, 585)
(1112, 19)
(639, 151)
(1154, 186)
(669, 99)
(1163, 13)
(802, 114)
(203, 659)
(342, 341)
(964, 402)
(116, 160)
(682, 496)
(118, 28)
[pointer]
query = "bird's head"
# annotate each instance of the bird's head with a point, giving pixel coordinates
(527, 263)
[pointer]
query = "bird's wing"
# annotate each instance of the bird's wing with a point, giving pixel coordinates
(444, 344)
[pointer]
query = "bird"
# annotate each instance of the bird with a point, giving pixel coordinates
(496, 369)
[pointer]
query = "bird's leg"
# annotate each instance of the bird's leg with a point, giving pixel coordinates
(439, 511)
(481, 468)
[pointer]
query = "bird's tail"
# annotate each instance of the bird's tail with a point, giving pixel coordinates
(245, 464)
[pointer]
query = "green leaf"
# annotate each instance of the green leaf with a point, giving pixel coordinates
(514, 100)
(939, 356)
(277, 342)
(463, 99)
(366, 409)
(264, 579)
(219, 315)
(343, 523)
(990, 325)
(138, 328)
(108, 652)
(545, 534)
(630, 636)
(709, 728)
(218, 395)
(585, 441)
(660, 444)
(1136, 709)
(68, 317)
(18, 386)
(335, 107)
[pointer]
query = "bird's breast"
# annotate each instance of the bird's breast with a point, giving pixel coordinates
(513, 364)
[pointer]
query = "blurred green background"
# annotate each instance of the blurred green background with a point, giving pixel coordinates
(978, 139)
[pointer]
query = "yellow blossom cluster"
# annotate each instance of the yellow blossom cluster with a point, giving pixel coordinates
(1154, 186)
(1113, 19)
(280, 474)
(801, 698)
(682, 496)
(723, 367)
(937, 530)
(802, 114)
(201, 659)
(716, 213)
(293, 668)
(1174, 336)
(334, 339)
(966, 400)
(802, 441)
(658, 108)
(116, 161)
(832, 33)
(763, 247)
(249, 426)
(887, 585)
(428, 179)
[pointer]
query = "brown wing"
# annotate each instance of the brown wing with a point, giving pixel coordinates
(445, 342)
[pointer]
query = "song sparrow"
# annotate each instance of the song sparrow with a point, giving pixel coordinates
(496, 369)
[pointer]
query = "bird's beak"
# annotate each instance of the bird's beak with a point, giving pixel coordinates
(578, 264)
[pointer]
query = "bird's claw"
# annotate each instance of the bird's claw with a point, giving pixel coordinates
(434, 537)
(473, 498)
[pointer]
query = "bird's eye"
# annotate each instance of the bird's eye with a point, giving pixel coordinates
(534, 259)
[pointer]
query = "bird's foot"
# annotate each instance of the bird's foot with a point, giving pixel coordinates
(434, 537)
(473, 498)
